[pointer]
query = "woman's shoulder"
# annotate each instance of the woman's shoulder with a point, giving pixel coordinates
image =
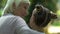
(19, 18)
(12, 17)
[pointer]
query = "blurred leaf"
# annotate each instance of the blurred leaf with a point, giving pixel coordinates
(0, 12)
(2, 3)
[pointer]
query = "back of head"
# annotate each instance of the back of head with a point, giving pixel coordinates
(43, 15)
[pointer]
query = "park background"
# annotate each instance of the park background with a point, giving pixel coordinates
(53, 5)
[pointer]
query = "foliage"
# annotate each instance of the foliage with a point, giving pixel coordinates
(0, 12)
(2, 3)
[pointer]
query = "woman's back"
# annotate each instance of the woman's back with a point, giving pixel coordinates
(7, 24)
(11, 24)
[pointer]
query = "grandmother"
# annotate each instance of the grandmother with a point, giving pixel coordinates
(12, 22)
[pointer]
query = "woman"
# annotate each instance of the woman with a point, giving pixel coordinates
(12, 21)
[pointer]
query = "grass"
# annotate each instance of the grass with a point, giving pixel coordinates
(56, 23)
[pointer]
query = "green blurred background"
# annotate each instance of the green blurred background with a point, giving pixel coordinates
(50, 4)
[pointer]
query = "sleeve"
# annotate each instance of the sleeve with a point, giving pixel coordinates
(22, 27)
(20, 24)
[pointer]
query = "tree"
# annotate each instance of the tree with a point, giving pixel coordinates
(2, 3)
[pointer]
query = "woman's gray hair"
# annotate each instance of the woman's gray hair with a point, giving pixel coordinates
(8, 7)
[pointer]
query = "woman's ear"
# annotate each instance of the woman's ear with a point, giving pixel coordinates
(14, 6)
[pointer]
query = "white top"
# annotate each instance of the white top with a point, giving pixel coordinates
(10, 24)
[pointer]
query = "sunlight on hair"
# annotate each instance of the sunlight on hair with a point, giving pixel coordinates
(54, 29)
(18, 1)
